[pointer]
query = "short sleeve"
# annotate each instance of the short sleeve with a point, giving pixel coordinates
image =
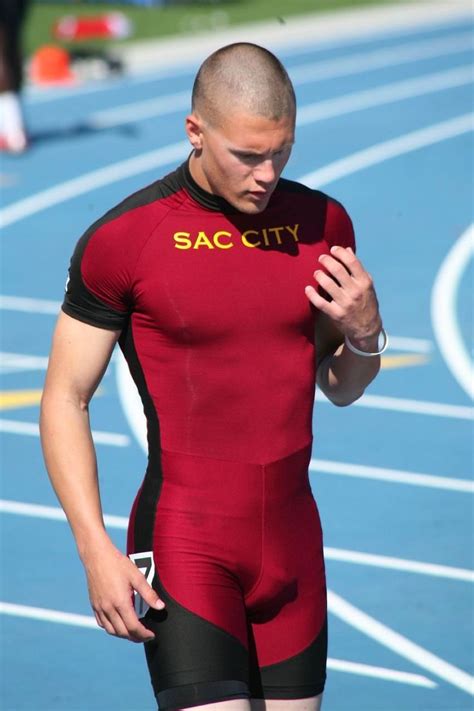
(339, 228)
(98, 286)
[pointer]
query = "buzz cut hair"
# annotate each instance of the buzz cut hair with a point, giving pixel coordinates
(243, 77)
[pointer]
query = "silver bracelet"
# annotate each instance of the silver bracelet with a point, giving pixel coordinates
(366, 354)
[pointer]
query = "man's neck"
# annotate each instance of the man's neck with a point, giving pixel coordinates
(197, 173)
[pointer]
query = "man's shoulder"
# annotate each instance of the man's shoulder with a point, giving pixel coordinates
(155, 196)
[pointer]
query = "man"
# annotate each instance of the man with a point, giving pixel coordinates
(203, 278)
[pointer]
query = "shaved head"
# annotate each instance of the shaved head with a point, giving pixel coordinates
(244, 78)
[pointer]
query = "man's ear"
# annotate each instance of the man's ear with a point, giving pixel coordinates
(194, 131)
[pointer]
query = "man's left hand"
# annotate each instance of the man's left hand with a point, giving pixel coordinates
(354, 307)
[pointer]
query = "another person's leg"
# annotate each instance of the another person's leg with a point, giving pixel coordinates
(12, 125)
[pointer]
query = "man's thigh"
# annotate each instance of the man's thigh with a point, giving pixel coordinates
(310, 704)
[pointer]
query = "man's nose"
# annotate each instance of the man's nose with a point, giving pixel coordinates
(265, 172)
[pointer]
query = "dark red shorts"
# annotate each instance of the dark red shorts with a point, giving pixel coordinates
(239, 563)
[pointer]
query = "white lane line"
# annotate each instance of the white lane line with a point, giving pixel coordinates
(131, 402)
(378, 59)
(413, 407)
(407, 566)
(397, 476)
(416, 345)
(181, 101)
(140, 110)
(380, 673)
(387, 637)
(70, 189)
(444, 309)
(178, 151)
(55, 513)
(19, 362)
(40, 613)
(392, 148)
(386, 94)
(33, 306)
(31, 429)
(73, 619)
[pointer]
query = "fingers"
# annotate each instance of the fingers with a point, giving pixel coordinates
(146, 591)
(337, 271)
(331, 309)
(136, 631)
(349, 260)
(122, 621)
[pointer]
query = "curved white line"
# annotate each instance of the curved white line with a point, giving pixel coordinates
(385, 94)
(444, 307)
(131, 402)
(397, 476)
(398, 643)
(90, 181)
(40, 613)
(390, 563)
(416, 407)
(359, 62)
(381, 152)
(31, 429)
(380, 673)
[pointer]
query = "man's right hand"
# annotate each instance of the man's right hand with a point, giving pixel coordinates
(112, 578)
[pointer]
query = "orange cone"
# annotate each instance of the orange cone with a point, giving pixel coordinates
(51, 65)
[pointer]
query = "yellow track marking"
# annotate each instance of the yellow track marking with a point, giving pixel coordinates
(14, 399)
(11, 399)
(404, 361)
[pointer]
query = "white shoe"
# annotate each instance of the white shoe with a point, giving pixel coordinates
(13, 143)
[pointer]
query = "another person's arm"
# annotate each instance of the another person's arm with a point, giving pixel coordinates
(79, 357)
(353, 312)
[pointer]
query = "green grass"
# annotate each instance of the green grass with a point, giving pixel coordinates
(150, 23)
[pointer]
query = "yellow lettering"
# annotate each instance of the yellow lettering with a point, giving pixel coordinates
(294, 231)
(219, 244)
(201, 240)
(182, 240)
(265, 237)
(245, 240)
(277, 231)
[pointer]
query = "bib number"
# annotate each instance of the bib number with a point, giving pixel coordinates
(146, 566)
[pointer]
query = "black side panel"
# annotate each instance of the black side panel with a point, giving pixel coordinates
(300, 677)
(189, 651)
(79, 302)
(150, 491)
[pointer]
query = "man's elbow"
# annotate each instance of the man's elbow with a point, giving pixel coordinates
(344, 399)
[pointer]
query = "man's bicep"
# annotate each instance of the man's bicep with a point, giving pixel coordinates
(327, 337)
(79, 356)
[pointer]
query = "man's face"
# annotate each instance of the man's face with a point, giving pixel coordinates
(242, 158)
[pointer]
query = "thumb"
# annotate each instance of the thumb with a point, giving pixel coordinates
(147, 593)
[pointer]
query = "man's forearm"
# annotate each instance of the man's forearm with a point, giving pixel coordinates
(344, 375)
(71, 463)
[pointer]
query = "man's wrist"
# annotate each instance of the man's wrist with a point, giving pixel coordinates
(370, 346)
(89, 543)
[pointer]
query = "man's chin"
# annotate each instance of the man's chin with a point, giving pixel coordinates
(251, 207)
